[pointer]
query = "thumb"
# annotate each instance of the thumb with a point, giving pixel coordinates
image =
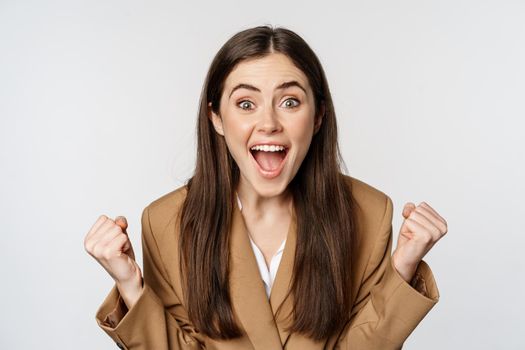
(408, 209)
(127, 248)
(122, 222)
(404, 231)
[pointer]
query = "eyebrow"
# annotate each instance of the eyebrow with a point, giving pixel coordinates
(283, 86)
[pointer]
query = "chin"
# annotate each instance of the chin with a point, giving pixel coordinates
(268, 189)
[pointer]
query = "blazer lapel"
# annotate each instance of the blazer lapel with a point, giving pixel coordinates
(249, 298)
(282, 283)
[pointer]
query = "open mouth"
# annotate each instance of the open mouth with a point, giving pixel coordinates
(270, 159)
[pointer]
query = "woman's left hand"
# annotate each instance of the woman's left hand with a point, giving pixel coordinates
(420, 230)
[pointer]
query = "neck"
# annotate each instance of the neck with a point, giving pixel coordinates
(259, 206)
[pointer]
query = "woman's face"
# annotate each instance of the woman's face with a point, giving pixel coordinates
(267, 115)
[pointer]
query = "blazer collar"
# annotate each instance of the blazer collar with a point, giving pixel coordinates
(263, 326)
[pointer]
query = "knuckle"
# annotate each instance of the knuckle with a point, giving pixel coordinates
(426, 238)
(116, 229)
(121, 238)
(96, 251)
(99, 251)
(107, 254)
(88, 247)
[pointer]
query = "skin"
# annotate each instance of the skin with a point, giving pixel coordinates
(422, 227)
(108, 243)
(284, 116)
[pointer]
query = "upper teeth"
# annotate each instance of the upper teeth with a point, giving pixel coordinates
(267, 148)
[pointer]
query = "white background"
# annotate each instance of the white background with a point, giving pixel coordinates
(98, 105)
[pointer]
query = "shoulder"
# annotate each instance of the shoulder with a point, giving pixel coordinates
(162, 211)
(370, 200)
(169, 201)
(371, 203)
(373, 212)
(373, 207)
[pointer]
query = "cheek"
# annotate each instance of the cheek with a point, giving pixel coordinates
(236, 133)
(302, 130)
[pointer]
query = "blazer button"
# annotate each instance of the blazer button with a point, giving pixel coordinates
(120, 346)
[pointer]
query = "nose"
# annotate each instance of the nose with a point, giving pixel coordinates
(269, 122)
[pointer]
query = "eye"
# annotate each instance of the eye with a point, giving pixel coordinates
(245, 104)
(294, 103)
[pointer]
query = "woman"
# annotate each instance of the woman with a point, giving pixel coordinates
(268, 245)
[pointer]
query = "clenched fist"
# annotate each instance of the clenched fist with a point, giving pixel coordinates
(107, 241)
(420, 230)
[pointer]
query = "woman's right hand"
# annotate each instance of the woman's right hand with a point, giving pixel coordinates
(107, 241)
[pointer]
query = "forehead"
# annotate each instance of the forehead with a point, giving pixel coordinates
(266, 72)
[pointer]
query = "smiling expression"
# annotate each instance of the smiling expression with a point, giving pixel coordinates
(267, 101)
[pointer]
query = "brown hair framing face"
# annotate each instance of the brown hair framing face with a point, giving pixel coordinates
(323, 204)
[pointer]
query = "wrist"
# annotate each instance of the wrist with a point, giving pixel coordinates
(405, 270)
(130, 291)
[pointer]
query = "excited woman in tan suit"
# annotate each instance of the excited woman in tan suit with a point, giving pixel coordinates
(268, 245)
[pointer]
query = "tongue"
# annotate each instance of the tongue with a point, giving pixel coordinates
(269, 161)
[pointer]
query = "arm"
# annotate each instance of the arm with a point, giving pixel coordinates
(388, 308)
(157, 320)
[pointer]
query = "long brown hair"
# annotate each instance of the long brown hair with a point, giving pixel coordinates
(324, 205)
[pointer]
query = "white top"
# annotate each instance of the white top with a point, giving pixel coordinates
(267, 275)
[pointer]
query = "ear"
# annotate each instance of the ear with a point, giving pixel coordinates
(319, 118)
(216, 120)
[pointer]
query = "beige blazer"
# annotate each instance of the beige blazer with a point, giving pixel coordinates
(386, 307)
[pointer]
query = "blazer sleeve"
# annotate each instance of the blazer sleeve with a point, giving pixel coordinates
(387, 308)
(156, 321)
